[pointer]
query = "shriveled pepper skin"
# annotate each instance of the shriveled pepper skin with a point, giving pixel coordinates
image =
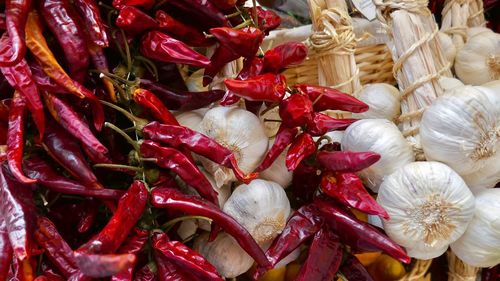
(5, 250)
(352, 269)
(168, 271)
(267, 87)
(134, 21)
(301, 147)
(203, 13)
(347, 161)
(284, 137)
(98, 265)
(325, 98)
(16, 12)
(322, 124)
(284, 55)
(296, 110)
(89, 12)
(181, 31)
(147, 273)
(154, 105)
(267, 19)
(146, 4)
(243, 42)
(133, 245)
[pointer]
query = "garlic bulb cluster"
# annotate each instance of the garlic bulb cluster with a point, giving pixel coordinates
(241, 132)
(462, 130)
(383, 100)
(480, 243)
(449, 83)
(479, 60)
(262, 207)
(278, 172)
(429, 206)
(383, 137)
(449, 49)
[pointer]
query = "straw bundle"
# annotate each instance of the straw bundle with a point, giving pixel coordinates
(460, 14)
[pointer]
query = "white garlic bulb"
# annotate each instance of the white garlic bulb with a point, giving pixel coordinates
(480, 243)
(473, 31)
(449, 49)
(224, 253)
(383, 137)
(271, 127)
(479, 60)
(187, 229)
(448, 83)
(278, 172)
(192, 118)
(241, 132)
(383, 100)
(494, 85)
(261, 207)
(462, 130)
(429, 206)
(194, 82)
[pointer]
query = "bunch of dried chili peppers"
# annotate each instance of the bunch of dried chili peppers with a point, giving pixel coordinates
(92, 155)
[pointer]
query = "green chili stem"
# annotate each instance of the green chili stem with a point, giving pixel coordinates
(148, 63)
(127, 51)
(255, 16)
(121, 92)
(123, 134)
(243, 24)
(237, 13)
(138, 122)
(148, 159)
(120, 50)
(169, 224)
(323, 137)
(114, 76)
(118, 166)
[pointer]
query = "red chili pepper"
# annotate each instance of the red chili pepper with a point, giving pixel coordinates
(284, 55)
(201, 12)
(134, 21)
(101, 63)
(183, 100)
(224, 4)
(147, 273)
(296, 110)
(65, 150)
(71, 122)
(2, 21)
(352, 269)
(15, 138)
(36, 168)
(325, 256)
(284, 137)
(181, 31)
(325, 98)
(97, 266)
(179, 136)
(55, 247)
(267, 19)
(130, 208)
(251, 67)
(347, 161)
(18, 210)
(22, 270)
(322, 124)
(348, 189)
(154, 105)
(5, 250)
(243, 42)
(267, 87)
(305, 181)
(133, 245)
(301, 147)
(4, 110)
(16, 12)
(44, 82)
(173, 159)
(63, 23)
(219, 59)
(358, 234)
(184, 258)
(174, 200)
(159, 46)
(88, 215)
(146, 4)
(92, 20)
(169, 272)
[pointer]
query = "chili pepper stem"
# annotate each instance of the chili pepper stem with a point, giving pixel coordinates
(149, 65)
(118, 166)
(168, 225)
(255, 16)
(148, 159)
(208, 35)
(127, 51)
(237, 13)
(114, 76)
(121, 92)
(138, 122)
(318, 98)
(243, 24)
(123, 134)
(105, 6)
(323, 137)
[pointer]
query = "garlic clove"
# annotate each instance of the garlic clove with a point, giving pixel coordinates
(192, 118)
(241, 132)
(383, 100)
(430, 207)
(493, 85)
(224, 253)
(449, 49)
(479, 245)
(448, 83)
(187, 229)
(473, 31)
(383, 137)
(278, 172)
(262, 207)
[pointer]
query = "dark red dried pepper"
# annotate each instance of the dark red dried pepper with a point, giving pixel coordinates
(93, 265)
(267, 87)
(146, 4)
(202, 12)
(5, 250)
(325, 98)
(284, 55)
(134, 21)
(244, 42)
(88, 215)
(175, 200)
(251, 67)
(2, 21)
(301, 147)
(44, 82)
(147, 273)
(101, 63)
(352, 269)
(133, 245)
(284, 137)
(154, 105)
(181, 31)
(322, 124)
(267, 19)
(296, 110)
(16, 12)
(347, 161)
(169, 272)
(92, 20)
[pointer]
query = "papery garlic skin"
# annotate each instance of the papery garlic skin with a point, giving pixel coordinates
(462, 130)
(278, 172)
(448, 48)
(194, 82)
(429, 206)
(494, 85)
(262, 207)
(383, 137)
(383, 100)
(270, 127)
(224, 253)
(449, 83)
(479, 60)
(473, 31)
(192, 118)
(241, 132)
(479, 245)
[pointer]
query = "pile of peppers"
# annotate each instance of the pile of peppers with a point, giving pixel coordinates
(91, 154)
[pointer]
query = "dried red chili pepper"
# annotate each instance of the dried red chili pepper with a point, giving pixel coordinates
(296, 110)
(322, 124)
(224, 4)
(44, 82)
(283, 138)
(4, 110)
(267, 87)
(72, 123)
(358, 234)
(101, 63)
(325, 98)
(134, 21)
(284, 55)
(22, 270)
(36, 168)
(301, 147)
(201, 12)
(305, 181)
(169, 272)
(244, 42)
(267, 19)
(172, 199)
(92, 20)
(147, 273)
(220, 57)
(133, 245)
(325, 256)
(15, 138)
(18, 211)
(154, 105)
(66, 151)
(159, 46)
(173, 159)
(88, 215)
(184, 258)
(5, 250)
(347, 161)
(348, 189)
(129, 210)
(62, 21)
(179, 136)
(146, 4)
(16, 12)
(352, 269)
(96, 266)
(181, 31)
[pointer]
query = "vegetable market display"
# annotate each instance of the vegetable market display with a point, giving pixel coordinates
(158, 140)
